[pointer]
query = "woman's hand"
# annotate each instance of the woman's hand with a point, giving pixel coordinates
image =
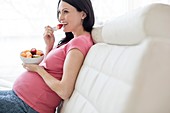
(49, 38)
(32, 67)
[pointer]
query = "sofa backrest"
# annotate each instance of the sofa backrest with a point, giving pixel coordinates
(133, 27)
(127, 70)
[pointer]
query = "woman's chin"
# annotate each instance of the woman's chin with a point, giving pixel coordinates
(65, 30)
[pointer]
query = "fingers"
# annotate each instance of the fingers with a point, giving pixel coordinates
(48, 31)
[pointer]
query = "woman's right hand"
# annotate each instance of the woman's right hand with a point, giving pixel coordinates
(49, 38)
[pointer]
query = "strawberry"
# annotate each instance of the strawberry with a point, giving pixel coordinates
(59, 26)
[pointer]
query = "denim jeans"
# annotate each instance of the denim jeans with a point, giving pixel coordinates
(11, 103)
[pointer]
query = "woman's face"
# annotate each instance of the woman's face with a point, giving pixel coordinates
(71, 17)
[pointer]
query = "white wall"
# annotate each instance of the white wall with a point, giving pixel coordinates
(26, 17)
(106, 9)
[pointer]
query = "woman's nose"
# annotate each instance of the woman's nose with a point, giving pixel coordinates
(61, 17)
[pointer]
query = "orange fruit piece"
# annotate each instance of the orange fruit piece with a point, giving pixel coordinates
(39, 52)
(29, 55)
(23, 54)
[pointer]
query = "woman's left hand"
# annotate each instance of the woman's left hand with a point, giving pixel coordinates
(32, 67)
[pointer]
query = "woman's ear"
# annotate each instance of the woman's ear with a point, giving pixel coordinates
(83, 15)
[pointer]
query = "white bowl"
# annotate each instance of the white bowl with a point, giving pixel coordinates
(32, 60)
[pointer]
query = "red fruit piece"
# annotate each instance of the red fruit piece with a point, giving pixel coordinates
(33, 51)
(59, 26)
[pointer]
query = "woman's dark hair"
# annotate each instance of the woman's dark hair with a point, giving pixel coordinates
(80, 5)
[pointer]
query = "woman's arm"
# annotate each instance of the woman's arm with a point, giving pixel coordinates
(72, 65)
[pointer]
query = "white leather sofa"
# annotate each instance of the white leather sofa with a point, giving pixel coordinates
(128, 68)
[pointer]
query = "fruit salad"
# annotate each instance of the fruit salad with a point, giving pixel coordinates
(32, 53)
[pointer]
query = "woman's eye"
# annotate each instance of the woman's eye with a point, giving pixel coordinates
(65, 11)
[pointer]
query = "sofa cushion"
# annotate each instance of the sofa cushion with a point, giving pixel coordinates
(123, 79)
(133, 27)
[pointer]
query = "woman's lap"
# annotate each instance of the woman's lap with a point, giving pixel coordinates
(5, 92)
(11, 103)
